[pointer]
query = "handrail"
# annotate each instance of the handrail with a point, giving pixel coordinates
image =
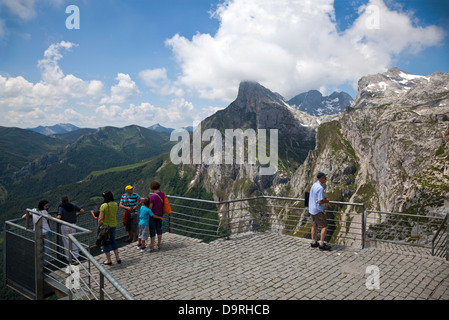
(437, 234)
(83, 231)
(100, 268)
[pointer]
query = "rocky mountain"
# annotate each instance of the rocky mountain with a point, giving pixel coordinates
(315, 104)
(391, 150)
(58, 128)
(256, 107)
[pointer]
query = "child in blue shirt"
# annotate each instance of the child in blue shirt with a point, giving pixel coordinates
(144, 224)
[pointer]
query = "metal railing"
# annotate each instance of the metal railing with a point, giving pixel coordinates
(77, 274)
(401, 228)
(440, 242)
(210, 220)
(207, 220)
(349, 223)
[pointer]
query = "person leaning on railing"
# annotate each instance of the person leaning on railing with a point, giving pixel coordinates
(316, 209)
(46, 230)
(68, 212)
(108, 216)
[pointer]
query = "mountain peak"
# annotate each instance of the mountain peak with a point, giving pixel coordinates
(251, 94)
(315, 104)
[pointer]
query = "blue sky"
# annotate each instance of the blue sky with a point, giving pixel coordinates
(176, 62)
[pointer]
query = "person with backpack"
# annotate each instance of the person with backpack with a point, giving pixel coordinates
(156, 205)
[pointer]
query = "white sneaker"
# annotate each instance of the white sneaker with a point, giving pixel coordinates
(144, 250)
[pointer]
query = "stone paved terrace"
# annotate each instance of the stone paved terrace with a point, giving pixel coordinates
(270, 266)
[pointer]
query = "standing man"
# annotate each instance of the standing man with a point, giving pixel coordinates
(316, 209)
(130, 201)
(68, 212)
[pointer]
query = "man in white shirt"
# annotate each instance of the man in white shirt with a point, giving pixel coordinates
(316, 209)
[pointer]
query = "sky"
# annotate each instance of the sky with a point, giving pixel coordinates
(96, 63)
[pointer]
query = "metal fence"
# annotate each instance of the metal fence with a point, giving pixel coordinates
(210, 220)
(349, 223)
(42, 266)
(406, 229)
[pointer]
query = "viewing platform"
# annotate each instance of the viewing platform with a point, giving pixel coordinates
(270, 266)
(251, 259)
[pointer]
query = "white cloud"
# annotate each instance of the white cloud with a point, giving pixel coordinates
(24, 9)
(176, 114)
(125, 90)
(54, 89)
(292, 46)
(158, 82)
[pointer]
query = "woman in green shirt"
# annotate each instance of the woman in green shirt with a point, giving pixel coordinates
(108, 216)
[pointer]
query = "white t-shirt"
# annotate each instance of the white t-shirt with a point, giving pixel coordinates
(45, 226)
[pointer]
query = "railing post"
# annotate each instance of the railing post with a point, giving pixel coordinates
(39, 260)
(447, 237)
(101, 286)
(228, 222)
(363, 226)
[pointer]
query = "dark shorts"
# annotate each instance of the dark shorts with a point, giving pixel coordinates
(133, 224)
(155, 227)
(319, 220)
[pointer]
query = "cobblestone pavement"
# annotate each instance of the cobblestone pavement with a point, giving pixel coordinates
(269, 266)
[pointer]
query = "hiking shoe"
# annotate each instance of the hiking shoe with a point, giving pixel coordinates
(325, 247)
(315, 245)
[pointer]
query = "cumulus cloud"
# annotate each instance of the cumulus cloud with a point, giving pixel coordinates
(21, 99)
(123, 91)
(54, 89)
(292, 46)
(158, 82)
(176, 114)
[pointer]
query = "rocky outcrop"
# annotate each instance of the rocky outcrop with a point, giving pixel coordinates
(395, 138)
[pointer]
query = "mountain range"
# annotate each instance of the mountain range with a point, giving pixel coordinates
(388, 149)
(55, 129)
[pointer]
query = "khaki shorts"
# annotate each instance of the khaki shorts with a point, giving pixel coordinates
(319, 220)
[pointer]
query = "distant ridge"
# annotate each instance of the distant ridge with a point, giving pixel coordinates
(55, 129)
(157, 127)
